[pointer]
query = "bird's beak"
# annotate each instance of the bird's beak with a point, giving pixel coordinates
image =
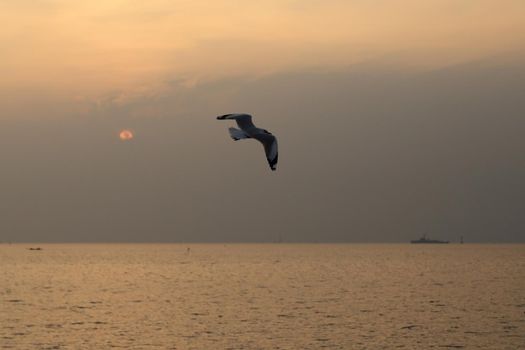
(221, 117)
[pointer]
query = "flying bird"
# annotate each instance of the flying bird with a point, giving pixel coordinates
(250, 131)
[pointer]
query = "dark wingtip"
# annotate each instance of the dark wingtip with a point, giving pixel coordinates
(273, 163)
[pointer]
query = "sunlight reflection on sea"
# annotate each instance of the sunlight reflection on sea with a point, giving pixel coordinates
(262, 296)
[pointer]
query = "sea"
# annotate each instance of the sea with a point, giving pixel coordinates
(262, 296)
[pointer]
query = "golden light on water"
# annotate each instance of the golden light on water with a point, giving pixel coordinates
(126, 135)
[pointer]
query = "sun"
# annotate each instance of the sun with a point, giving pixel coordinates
(126, 135)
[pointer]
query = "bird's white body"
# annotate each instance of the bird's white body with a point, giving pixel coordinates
(237, 134)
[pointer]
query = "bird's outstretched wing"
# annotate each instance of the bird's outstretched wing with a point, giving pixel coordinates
(270, 148)
(244, 121)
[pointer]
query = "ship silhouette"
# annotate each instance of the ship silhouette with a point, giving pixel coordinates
(424, 239)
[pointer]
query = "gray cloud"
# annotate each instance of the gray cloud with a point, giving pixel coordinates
(367, 154)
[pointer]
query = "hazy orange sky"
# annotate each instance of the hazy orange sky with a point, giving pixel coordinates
(86, 49)
(394, 119)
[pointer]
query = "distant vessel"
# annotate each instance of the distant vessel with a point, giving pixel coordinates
(424, 239)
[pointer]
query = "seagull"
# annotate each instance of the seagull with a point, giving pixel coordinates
(250, 131)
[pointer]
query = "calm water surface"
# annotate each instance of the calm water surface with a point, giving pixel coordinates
(262, 296)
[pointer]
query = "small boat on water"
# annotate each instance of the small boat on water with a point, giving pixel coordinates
(424, 239)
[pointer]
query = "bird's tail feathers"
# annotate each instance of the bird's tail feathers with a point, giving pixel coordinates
(237, 134)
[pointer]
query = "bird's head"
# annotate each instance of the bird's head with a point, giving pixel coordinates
(225, 116)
